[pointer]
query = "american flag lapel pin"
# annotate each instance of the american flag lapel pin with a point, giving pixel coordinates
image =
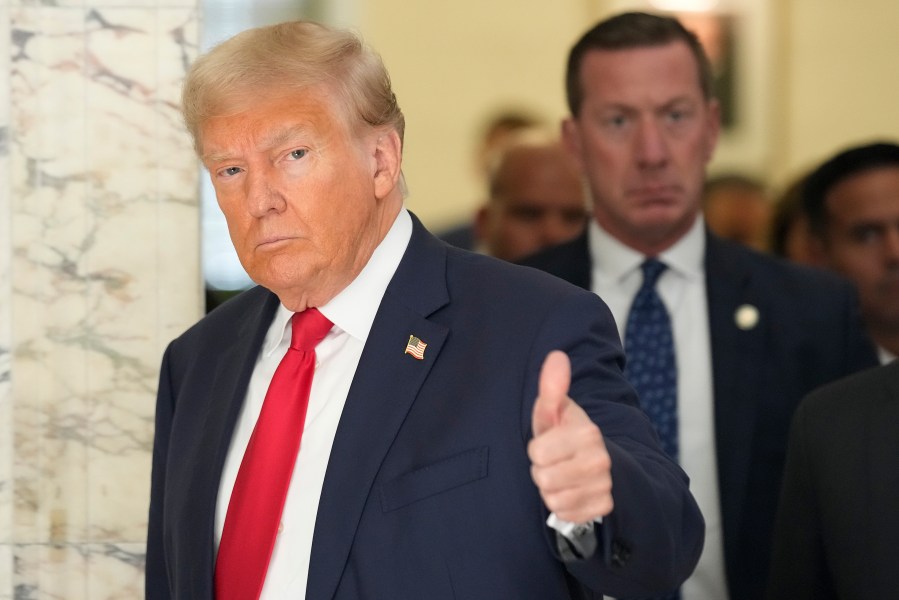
(416, 348)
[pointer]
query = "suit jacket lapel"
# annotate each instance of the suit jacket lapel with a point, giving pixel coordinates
(735, 354)
(570, 261)
(232, 377)
(383, 390)
(228, 380)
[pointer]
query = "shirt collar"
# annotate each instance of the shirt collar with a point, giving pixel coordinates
(353, 309)
(885, 355)
(615, 261)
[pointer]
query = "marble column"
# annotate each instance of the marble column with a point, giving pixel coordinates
(99, 270)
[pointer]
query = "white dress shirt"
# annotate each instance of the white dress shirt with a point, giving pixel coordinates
(616, 278)
(352, 311)
(885, 355)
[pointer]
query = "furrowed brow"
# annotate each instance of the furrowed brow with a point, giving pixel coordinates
(266, 142)
(282, 136)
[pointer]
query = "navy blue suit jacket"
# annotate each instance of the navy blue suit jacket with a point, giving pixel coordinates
(428, 492)
(809, 333)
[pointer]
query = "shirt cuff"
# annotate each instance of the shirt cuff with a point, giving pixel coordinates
(575, 541)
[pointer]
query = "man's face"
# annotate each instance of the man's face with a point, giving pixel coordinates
(862, 241)
(306, 199)
(538, 201)
(643, 137)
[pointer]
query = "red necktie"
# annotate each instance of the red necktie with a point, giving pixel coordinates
(254, 511)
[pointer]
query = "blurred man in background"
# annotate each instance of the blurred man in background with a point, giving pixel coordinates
(536, 198)
(493, 134)
(852, 203)
(737, 208)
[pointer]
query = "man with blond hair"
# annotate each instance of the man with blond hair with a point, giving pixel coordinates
(385, 416)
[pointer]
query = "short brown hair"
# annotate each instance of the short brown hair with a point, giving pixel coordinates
(293, 55)
(628, 31)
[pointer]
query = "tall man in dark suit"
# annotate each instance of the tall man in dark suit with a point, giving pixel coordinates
(837, 525)
(751, 335)
(450, 450)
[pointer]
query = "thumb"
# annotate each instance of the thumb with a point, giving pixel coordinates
(552, 392)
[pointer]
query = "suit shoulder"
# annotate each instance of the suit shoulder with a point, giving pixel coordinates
(555, 256)
(861, 387)
(782, 274)
(569, 261)
(226, 317)
(488, 274)
(836, 416)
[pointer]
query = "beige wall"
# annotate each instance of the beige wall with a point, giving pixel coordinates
(451, 64)
(840, 84)
(815, 75)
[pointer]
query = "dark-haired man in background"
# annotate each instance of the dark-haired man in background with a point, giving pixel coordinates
(722, 349)
(852, 203)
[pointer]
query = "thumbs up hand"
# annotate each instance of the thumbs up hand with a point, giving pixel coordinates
(569, 461)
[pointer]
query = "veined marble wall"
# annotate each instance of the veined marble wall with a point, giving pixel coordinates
(99, 269)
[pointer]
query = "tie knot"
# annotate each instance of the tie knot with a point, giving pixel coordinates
(652, 268)
(308, 329)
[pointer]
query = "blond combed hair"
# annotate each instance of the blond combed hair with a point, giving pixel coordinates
(295, 55)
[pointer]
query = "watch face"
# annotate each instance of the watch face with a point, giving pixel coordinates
(582, 529)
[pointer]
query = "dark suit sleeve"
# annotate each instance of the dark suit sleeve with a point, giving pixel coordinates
(798, 568)
(651, 541)
(157, 583)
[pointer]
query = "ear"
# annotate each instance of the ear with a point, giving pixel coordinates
(388, 163)
(482, 223)
(816, 248)
(571, 140)
(713, 114)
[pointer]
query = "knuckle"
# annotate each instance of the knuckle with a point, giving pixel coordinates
(535, 452)
(602, 462)
(552, 502)
(540, 478)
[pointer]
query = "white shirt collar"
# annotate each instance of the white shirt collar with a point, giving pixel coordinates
(353, 309)
(885, 355)
(614, 261)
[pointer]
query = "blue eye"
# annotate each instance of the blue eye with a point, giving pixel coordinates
(680, 114)
(298, 153)
(230, 171)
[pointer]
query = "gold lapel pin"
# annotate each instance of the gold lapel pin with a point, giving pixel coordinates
(746, 317)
